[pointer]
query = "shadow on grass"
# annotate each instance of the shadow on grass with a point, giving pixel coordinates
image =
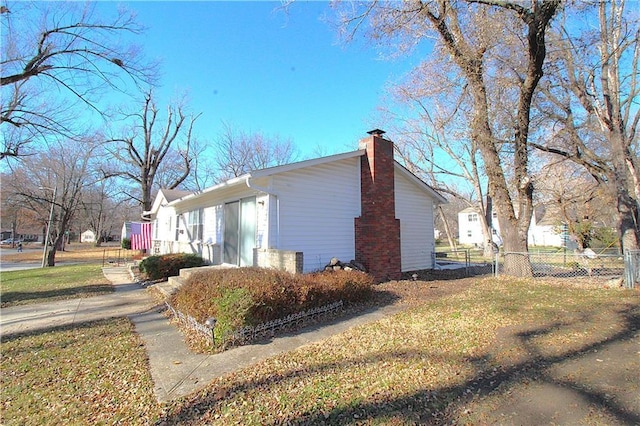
(13, 298)
(441, 405)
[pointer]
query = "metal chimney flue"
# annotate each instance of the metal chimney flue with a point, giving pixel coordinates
(376, 132)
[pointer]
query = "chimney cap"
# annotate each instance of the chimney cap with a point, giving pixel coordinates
(376, 132)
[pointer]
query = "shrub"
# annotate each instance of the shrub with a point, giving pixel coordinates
(169, 265)
(250, 296)
(126, 243)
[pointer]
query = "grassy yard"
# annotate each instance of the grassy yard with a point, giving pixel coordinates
(448, 360)
(443, 360)
(48, 284)
(95, 373)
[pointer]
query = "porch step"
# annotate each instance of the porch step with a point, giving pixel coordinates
(171, 286)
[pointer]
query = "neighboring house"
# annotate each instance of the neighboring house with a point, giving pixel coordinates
(543, 230)
(470, 228)
(88, 236)
(31, 235)
(360, 205)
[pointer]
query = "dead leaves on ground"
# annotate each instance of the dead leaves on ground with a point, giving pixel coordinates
(407, 369)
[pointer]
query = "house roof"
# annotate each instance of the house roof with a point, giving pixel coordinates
(546, 216)
(270, 171)
(165, 196)
(470, 209)
(173, 194)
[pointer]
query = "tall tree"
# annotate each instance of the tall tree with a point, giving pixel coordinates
(56, 56)
(57, 177)
(239, 152)
(591, 104)
(153, 143)
(465, 33)
(99, 208)
(574, 199)
(434, 144)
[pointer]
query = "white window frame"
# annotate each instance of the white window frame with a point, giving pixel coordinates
(195, 224)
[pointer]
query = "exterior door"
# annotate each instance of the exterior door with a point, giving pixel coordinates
(247, 230)
(239, 232)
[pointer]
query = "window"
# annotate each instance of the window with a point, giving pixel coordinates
(177, 228)
(195, 224)
(469, 233)
(473, 217)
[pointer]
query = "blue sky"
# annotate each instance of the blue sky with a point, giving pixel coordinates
(259, 68)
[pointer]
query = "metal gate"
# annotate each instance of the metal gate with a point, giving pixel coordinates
(632, 268)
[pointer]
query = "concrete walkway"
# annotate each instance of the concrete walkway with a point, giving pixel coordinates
(175, 370)
(128, 298)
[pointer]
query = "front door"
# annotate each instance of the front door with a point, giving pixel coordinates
(240, 231)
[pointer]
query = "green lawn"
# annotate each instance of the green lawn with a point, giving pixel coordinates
(47, 284)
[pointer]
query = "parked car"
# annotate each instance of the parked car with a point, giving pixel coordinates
(10, 241)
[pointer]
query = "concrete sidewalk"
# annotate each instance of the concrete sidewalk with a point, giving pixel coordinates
(128, 298)
(175, 370)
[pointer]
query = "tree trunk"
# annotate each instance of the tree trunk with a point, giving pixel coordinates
(447, 230)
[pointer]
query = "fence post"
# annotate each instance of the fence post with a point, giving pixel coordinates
(495, 266)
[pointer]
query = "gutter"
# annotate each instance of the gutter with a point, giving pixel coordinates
(277, 197)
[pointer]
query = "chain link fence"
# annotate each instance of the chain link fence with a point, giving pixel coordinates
(604, 267)
(588, 266)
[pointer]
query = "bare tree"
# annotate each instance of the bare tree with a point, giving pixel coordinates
(239, 152)
(98, 207)
(16, 215)
(55, 56)
(451, 164)
(57, 177)
(460, 37)
(151, 145)
(591, 101)
(574, 199)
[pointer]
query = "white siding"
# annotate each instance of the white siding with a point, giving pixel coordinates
(166, 224)
(469, 231)
(317, 208)
(262, 221)
(415, 211)
(544, 235)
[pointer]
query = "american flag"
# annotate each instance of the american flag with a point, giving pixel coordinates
(140, 236)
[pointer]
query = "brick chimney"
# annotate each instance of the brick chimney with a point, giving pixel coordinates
(377, 231)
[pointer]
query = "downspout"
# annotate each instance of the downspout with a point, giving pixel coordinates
(269, 192)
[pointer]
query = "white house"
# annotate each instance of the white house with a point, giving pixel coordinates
(88, 236)
(360, 205)
(470, 228)
(543, 230)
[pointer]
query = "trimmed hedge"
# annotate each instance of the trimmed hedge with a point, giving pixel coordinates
(169, 265)
(249, 296)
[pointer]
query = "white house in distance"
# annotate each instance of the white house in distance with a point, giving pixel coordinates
(360, 205)
(88, 236)
(543, 230)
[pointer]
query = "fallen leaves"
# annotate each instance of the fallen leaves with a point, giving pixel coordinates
(95, 373)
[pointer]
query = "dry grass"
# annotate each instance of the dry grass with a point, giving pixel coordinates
(457, 355)
(94, 373)
(422, 366)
